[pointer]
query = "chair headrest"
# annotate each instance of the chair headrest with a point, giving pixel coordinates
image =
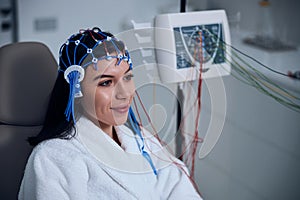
(27, 75)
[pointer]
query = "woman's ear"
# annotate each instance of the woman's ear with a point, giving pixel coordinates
(77, 101)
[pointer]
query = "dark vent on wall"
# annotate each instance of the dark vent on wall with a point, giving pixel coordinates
(45, 24)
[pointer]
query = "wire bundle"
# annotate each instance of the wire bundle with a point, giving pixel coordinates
(249, 71)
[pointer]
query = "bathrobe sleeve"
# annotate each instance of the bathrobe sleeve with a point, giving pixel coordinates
(174, 181)
(52, 174)
(183, 188)
(177, 184)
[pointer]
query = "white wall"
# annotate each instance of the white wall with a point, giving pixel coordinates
(257, 155)
(71, 15)
(284, 16)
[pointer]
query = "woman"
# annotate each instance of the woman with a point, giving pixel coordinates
(84, 150)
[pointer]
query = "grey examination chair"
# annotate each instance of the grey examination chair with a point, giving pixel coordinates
(27, 74)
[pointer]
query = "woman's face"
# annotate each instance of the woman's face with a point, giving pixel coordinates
(107, 93)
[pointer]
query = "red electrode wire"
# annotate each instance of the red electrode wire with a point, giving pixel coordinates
(184, 147)
(195, 139)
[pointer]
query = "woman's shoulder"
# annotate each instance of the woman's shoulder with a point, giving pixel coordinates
(57, 150)
(57, 144)
(55, 164)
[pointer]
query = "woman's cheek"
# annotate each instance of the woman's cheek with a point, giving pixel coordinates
(88, 99)
(103, 100)
(131, 87)
(88, 103)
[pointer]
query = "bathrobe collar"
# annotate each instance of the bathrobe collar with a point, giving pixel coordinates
(127, 157)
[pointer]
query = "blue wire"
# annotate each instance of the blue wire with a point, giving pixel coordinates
(68, 54)
(83, 57)
(73, 78)
(118, 50)
(63, 63)
(129, 59)
(76, 49)
(102, 34)
(134, 124)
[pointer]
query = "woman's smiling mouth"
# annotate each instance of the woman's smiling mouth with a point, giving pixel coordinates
(121, 108)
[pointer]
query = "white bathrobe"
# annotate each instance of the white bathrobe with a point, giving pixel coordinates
(92, 166)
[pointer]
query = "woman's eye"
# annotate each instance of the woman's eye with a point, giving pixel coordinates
(128, 77)
(105, 83)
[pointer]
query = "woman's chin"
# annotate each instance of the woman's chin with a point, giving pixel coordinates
(120, 121)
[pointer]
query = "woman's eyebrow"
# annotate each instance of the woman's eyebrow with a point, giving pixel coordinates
(103, 76)
(108, 76)
(127, 70)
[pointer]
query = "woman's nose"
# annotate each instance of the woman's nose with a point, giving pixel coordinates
(122, 90)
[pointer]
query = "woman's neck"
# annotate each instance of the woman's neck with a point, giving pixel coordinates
(108, 129)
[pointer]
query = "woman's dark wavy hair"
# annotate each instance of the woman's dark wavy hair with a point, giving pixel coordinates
(56, 125)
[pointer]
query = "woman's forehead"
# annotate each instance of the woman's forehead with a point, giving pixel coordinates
(107, 67)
